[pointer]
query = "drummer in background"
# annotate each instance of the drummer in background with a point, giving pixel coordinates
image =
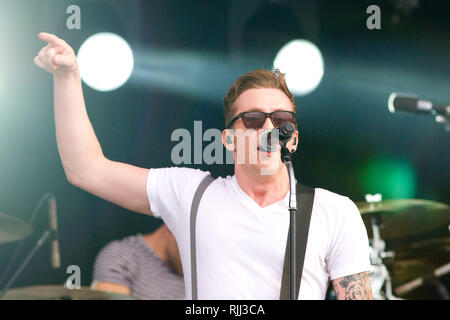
(143, 266)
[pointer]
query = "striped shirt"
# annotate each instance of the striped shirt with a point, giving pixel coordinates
(132, 263)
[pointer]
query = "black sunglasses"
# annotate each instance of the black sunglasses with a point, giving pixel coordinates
(256, 119)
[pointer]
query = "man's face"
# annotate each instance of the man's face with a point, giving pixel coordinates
(246, 141)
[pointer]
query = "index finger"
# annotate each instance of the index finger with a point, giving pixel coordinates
(48, 37)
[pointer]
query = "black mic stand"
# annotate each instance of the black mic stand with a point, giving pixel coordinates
(49, 233)
(286, 158)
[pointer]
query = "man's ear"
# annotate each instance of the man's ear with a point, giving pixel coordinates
(228, 139)
(293, 144)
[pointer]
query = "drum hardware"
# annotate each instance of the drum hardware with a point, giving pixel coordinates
(48, 234)
(379, 275)
(13, 228)
(433, 278)
(423, 263)
(22, 230)
(61, 293)
(402, 219)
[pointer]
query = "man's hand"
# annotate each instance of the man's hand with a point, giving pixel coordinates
(354, 287)
(57, 57)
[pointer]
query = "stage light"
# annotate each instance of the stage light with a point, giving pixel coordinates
(302, 63)
(391, 177)
(106, 61)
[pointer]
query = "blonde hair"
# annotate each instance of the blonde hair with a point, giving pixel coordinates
(255, 79)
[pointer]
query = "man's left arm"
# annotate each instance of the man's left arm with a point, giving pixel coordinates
(353, 287)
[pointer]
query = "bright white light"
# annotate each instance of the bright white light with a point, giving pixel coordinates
(302, 63)
(106, 61)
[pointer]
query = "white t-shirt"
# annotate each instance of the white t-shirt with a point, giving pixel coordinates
(241, 246)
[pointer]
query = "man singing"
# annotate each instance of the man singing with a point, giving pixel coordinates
(243, 220)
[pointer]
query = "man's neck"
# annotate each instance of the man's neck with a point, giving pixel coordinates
(263, 189)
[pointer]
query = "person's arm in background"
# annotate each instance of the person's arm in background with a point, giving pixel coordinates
(81, 155)
(110, 287)
(113, 269)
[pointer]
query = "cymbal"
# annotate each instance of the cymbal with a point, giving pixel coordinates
(13, 228)
(402, 218)
(49, 292)
(396, 205)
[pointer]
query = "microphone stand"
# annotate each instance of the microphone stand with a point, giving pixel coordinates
(49, 233)
(286, 157)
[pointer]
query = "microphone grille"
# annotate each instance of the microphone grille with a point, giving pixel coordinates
(287, 128)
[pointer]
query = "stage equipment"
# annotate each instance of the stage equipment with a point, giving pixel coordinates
(50, 292)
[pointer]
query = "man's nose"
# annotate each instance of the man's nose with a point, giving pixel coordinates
(268, 125)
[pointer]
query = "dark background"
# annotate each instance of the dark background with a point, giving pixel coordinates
(349, 142)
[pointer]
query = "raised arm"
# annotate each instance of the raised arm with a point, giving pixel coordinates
(81, 154)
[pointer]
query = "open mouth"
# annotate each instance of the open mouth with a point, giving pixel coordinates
(270, 149)
(268, 142)
(267, 154)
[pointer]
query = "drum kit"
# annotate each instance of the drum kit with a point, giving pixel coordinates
(409, 251)
(62, 293)
(14, 229)
(409, 247)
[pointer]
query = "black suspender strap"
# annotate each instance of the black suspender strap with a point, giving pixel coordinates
(305, 199)
(194, 208)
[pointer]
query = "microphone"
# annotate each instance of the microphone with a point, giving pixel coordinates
(412, 103)
(53, 224)
(271, 139)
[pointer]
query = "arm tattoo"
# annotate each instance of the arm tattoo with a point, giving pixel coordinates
(354, 287)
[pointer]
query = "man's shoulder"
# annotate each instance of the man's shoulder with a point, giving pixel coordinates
(122, 247)
(325, 195)
(332, 202)
(183, 174)
(190, 176)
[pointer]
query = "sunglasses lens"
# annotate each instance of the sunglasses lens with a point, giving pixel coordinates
(253, 120)
(281, 117)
